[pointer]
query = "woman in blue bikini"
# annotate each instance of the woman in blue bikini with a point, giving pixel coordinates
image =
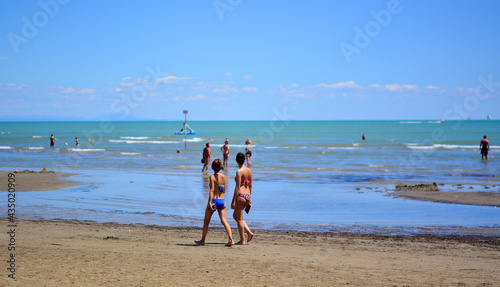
(242, 198)
(216, 201)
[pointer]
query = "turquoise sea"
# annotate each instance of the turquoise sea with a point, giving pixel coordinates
(308, 175)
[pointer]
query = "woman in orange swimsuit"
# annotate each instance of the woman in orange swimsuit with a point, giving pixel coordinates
(242, 197)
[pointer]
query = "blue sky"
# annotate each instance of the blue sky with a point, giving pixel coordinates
(244, 60)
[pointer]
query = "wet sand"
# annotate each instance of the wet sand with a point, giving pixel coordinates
(477, 197)
(63, 253)
(30, 180)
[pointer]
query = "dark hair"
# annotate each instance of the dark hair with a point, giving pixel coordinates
(240, 158)
(217, 165)
(484, 136)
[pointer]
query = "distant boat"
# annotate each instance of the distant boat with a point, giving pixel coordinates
(488, 118)
(468, 118)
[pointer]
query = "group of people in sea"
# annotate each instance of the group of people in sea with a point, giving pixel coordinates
(240, 202)
(53, 141)
(207, 154)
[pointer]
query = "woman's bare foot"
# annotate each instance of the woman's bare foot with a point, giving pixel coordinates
(250, 236)
(230, 243)
(202, 243)
(240, 243)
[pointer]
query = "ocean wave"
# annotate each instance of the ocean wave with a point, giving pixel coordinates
(343, 147)
(129, 153)
(35, 147)
(447, 146)
(86, 149)
(37, 137)
(140, 142)
(410, 122)
(134, 138)
(5, 133)
(6, 147)
(194, 140)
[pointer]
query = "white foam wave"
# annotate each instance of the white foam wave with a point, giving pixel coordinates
(355, 144)
(86, 149)
(37, 137)
(446, 146)
(5, 133)
(140, 142)
(194, 140)
(343, 147)
(134, 138)
(129, 153)
(35, 147)
(410, 122)
(6, 147)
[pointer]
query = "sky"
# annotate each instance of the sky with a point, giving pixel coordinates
(250, 60)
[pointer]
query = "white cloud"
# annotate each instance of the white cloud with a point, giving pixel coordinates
(68, 91)
(225, 90)
(170, 79)
(340, 85)
(293, 86)
(432, 87)
(410, 87)
(249, 89)
(86, 91)
(247, 77)
(3, 58)
(228, 74)
(393, 88)
(195, 98)
(73, 91)
(373, 86)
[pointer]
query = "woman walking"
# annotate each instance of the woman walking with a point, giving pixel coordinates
(216, 201)
(242, 198)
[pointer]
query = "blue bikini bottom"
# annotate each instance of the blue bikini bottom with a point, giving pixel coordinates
(219, 202)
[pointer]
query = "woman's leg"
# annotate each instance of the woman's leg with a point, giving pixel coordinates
(238, 216)
(249, 233)
(206, 222)
(223, 220)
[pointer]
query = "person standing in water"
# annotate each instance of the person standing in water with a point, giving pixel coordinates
(242, 198)
(206, 157)
(248, 153)
(52, 140)
(485, 147)
(216, 201)
(225, 153)
(363, 137)
(77, 142)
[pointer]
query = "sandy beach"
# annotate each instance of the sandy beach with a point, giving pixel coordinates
(61, 253)
(65, 253)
